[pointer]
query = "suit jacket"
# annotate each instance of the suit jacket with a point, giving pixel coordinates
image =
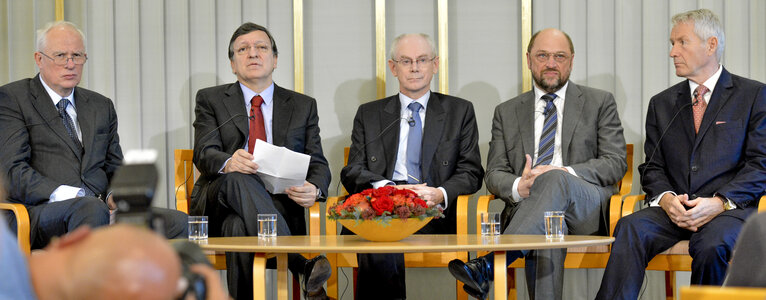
(37, 153)
(727, 156)
(592, 142)
(295, 126)
(450, 155)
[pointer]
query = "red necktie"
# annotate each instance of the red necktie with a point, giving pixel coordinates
(699, 108)
(257, 131)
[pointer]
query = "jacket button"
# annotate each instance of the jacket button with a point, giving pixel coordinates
(373, 159)
(445, 163)
(694, 196)
(694, 168)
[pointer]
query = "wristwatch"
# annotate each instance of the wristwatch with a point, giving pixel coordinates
(727, 204)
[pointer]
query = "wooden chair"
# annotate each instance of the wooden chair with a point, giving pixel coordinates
(185, 176)
(716, 293)
(676, 258)
(411, 260)
(22, 225)
(594, 257)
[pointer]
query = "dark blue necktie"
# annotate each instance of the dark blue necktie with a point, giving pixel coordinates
(548, 137)
(414, 141)
(68, 123)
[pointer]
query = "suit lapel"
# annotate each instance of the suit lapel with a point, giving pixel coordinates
(85, 118)
(721, 95)
(390, 139)
(685, 113)
(235, 105)
(573, 106)
(280, 119)
(432, 133)
(50, 114)
(526, 118)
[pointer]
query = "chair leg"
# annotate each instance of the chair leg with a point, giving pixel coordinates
(332, 282)
(354, 277)
(670, 285)
(460, 294)
(511, 283)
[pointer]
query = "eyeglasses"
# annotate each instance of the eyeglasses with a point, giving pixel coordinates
(61, 59)
(260, 48)
(406, 62)
(559, 57)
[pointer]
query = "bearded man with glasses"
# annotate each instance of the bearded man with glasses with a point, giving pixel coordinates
(558, 147)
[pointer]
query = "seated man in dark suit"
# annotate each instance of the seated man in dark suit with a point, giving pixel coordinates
(572, 135)
(704, 173)
(60, 143)
(433, 151)
(229, 120)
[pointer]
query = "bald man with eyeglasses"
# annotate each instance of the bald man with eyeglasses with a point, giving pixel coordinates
(60, 145)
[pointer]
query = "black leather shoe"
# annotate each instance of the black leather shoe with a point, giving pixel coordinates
(475, 274)
(315, 273)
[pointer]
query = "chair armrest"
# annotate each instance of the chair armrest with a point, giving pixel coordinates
(630, 203)
(22, 224)
(482, 206)
(315, 218)
(331, 226)
(462, 214)
(615, 208)
(762, 204)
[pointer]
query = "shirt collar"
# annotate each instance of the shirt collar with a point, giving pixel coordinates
(560, 94)
(267, 94)
(55, 97)
(405, 101)
(709, 83)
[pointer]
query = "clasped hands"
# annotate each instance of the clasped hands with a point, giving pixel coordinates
(242, 161)
(529, 174)
(701, 211)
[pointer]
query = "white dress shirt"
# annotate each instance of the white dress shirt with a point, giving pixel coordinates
(540, 104)
(400, 167)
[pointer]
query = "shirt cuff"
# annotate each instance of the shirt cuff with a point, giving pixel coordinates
(656, 201)
(571, 171)
(515, 194)
(381, 183)
(444, 203)
(224, 166)
(65, 192)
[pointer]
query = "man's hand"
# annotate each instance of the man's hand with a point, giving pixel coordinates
(529, 175)
(241, 162)
(702, 211)
(674, 207)
(527, 179)
(431, 195)
(110, 203)
(304, 195)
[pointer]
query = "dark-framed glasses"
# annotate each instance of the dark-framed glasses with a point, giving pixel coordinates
(420, 61)
(62, 59)
(559, 57)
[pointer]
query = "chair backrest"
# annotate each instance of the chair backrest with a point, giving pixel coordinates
(626, 184)
(185, 176)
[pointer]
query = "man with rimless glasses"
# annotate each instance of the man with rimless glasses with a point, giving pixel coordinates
(60, 143)
(418, 139)
(558, 147)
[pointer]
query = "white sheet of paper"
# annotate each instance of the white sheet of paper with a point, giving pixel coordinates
(279, 167)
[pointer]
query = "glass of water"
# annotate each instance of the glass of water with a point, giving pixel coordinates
(554, 224)
(490, 223)
(197, 228)
(267, 225)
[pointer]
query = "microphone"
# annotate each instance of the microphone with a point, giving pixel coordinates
(224, 123)
(410, 122)
(657, 145)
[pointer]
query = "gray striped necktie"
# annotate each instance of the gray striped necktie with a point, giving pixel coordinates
(548, 137)
(68, 123)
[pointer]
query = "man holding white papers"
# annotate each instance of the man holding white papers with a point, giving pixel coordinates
(229, 120)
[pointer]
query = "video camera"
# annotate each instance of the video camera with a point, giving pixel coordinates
(133, 188)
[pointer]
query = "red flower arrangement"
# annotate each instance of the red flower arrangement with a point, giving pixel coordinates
(383, 204)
